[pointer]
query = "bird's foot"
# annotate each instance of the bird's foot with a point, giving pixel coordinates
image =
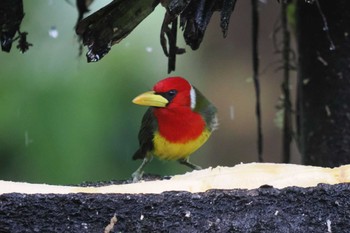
(136, 176)
(196, 167)
(189, 164)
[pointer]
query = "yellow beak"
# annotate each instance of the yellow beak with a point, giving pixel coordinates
(150, 98)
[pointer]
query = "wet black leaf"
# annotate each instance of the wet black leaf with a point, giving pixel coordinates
(176, 7)
(227, 9)
(11, 15)
(195, 19)
(83, 8)
(111, 24)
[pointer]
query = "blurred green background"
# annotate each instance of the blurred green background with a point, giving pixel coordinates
(64, 121)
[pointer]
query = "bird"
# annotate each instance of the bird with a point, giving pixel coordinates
(179, 120)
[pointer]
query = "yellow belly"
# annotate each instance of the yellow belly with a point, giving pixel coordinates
(174, 151)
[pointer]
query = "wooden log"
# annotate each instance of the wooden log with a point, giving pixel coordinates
(212, 200)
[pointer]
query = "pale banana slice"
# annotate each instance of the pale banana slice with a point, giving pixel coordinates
(242, 176)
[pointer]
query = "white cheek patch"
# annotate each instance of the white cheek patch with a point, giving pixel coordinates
(193, 98)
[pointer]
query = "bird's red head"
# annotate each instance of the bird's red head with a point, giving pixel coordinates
(176, 90)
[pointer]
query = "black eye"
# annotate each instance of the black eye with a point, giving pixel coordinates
(172, 93)
(169, 95)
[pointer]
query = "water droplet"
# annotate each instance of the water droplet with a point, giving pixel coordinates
(53, 32)
(232, 112)
(27, 139)
(149, 49)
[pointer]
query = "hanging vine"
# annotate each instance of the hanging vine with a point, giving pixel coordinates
(255, 56)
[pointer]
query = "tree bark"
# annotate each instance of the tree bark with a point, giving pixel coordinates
(324, 82)
(325, 208)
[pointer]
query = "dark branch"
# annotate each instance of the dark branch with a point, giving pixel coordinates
(255, 55)
(287, 105)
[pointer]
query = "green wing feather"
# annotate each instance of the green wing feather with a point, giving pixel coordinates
(149, 126)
